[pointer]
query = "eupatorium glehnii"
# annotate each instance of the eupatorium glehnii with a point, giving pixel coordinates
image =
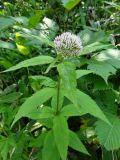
(68, 44)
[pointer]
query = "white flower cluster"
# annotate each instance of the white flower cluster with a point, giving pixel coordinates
(68, 44)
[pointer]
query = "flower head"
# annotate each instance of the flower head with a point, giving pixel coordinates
(68, 44)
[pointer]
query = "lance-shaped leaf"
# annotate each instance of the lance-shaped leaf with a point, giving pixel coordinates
(6, 22)
(33, 102)
(9, 98)
(68, 76)
(70, 110)
(61, 134)
(50, 151)
(44, 112)
(96, 46)
(88, 105)
(7, 45)
(69, 4)
(39, 60)
(81, 73)
(75, 143)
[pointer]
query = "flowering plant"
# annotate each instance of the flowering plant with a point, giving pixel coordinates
(68, 44)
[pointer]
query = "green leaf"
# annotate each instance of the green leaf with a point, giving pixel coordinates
(39, 141)
(36, 18)
(106, 63)
(50, 151)
(85, 36)
(40, 60)
(44, 112)
(108, 135)
(96, 46)
(110, 56)
(33, 102)
(6, 22)
(113, 5)
(76, 144)
(61, 134)
(7, 45)
(69, 4)
(88, 105)
(9, 98)
(21, 19)
(70, 110)
(6, 144)
(81, 73)
(99, 36)
(109, 154)
(106, 101)
(42, 38)
(68, 76)
(41, 81)
(102, 69)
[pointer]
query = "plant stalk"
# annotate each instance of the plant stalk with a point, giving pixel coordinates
(58, 96)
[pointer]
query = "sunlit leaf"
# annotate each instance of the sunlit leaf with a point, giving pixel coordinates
(36, 100)
(40, 60)
(69, 4)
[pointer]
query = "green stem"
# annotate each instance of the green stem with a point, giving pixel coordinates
(58, 96)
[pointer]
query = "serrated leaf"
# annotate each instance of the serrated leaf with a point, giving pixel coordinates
(108, 135)
(96, 46)
(61, 134)
(69, 4)
(76, 144)
(33, 102)
(106, 63)
(81, 73)
(102, 69)
(50, 151)
(39, 60)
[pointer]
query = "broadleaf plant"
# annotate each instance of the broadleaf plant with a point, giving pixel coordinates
(59, 80)
(53, 105)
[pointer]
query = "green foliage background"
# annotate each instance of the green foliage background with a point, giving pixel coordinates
(85, 125)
